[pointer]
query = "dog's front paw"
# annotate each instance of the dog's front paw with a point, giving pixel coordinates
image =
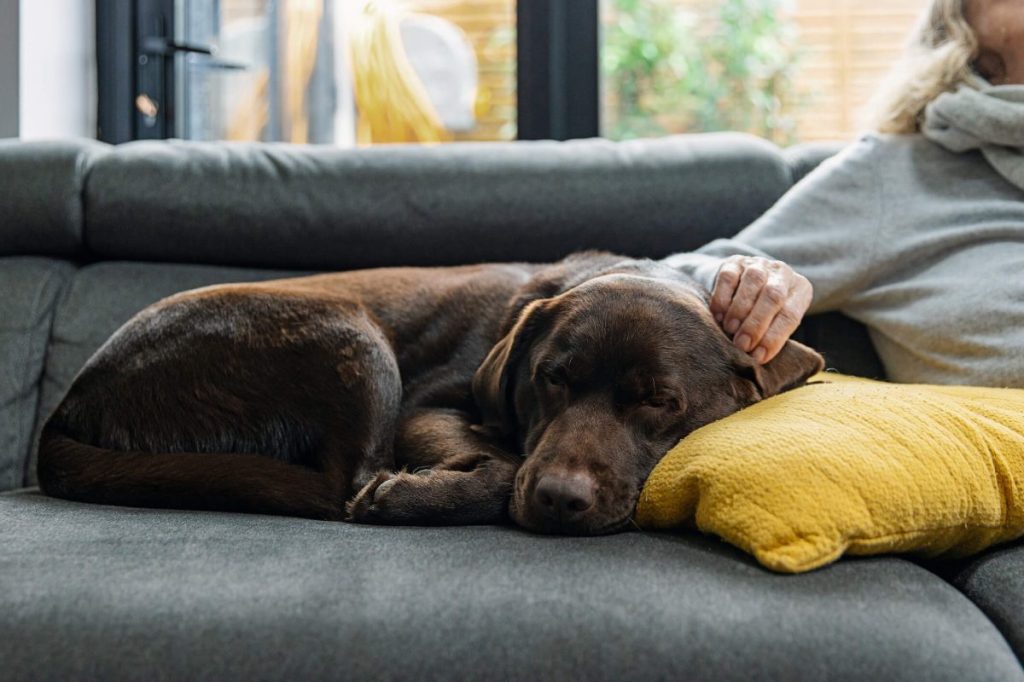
(389, 498)
(360, 508)
(436, 496)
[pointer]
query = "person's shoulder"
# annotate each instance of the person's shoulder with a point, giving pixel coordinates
(888, 145)
(861, 150)
(858, 158)
(871, 146)
(889, 153)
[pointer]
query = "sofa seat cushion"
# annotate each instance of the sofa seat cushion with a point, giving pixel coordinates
(109, 593)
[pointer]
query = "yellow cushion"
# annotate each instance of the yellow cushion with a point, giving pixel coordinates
(850, 466)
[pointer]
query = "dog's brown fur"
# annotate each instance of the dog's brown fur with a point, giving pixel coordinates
(295, 396)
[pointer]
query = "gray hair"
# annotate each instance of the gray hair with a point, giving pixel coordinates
(938, 58)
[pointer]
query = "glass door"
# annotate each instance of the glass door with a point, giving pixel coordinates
(346, 72)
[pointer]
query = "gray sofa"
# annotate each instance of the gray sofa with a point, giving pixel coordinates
(89, 234)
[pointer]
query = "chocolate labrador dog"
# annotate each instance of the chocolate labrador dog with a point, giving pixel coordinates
(544, 393)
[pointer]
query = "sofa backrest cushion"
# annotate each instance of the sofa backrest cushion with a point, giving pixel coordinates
(315, 207)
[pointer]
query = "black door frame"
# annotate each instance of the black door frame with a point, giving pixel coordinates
(115, 77)
(557, 77)
(557, 94)
(131, 66)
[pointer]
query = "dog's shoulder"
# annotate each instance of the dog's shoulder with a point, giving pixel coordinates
(551, 279)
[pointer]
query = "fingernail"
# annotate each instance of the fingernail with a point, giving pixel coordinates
(732, 325)
(759, 354)
(743, 342)
(718, 318)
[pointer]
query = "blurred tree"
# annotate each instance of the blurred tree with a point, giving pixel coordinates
(669, 67)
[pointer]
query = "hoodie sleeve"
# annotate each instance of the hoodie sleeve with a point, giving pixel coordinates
(825, 228)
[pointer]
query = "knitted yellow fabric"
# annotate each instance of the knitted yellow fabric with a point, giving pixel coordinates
(850, 466)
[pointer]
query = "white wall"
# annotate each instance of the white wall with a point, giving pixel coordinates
(57, 68)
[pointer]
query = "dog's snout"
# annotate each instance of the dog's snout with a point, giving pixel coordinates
(564, 496)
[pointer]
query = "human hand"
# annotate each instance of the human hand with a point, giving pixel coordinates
(760, 302)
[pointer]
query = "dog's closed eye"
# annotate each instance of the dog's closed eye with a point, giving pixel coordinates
(661, 402)
(553, 376)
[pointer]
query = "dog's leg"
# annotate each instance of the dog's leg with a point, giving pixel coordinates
(367, 420)
(459, 476)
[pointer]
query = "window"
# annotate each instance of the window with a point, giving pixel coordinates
(788, 70)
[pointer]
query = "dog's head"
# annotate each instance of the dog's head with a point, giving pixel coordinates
(597, 382)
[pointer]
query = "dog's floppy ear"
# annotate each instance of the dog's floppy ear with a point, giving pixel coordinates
(794, 364)
(491, 384)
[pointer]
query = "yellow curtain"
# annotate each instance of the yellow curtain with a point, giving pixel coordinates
(393, 105)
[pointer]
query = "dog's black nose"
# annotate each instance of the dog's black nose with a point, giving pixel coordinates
(564, 496)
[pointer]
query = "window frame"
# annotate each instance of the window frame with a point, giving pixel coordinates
(122, 63)
(558, 75)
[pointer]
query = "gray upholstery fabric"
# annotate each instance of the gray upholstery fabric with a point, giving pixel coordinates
(995, 582)
(91, 592)
(41, 196)
(102, 297)
(287, 206)
(30, 289)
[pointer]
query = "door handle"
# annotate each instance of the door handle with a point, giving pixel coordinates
(165, 47)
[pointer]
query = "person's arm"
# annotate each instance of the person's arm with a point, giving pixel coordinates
(824, 233)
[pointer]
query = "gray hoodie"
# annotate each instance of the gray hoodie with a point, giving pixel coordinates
(920, 237)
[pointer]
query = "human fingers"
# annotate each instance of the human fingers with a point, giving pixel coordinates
(726, 281)
(786, 321)
(753, 279)
(770, 301)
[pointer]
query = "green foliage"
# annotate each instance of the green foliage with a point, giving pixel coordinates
(671, 68)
